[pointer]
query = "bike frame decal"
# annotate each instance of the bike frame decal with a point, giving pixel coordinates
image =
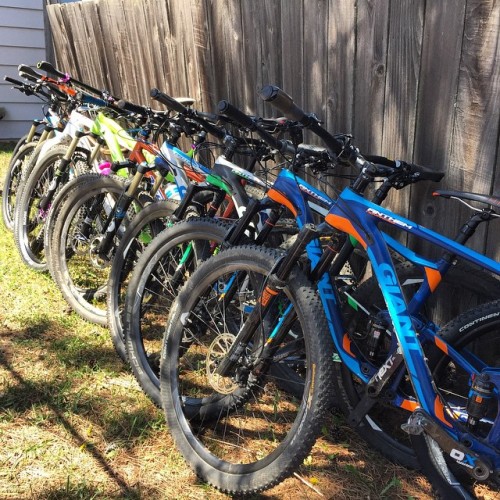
(278, 197)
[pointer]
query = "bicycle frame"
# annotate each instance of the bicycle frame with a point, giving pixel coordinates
(359, 218)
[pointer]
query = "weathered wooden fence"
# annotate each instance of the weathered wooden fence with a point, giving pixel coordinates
(412, 79)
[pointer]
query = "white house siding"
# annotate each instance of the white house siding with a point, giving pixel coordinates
(22, 41)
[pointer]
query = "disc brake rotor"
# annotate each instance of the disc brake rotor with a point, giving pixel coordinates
(218, 349)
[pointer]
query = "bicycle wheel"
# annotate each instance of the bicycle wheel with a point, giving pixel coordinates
(381, 427)
(241, 433)
(30, 219)
(79, 272)
(158, 276)
(476, 335)
(22, 142)
(148, 223)
(57, 203)
(13, 181)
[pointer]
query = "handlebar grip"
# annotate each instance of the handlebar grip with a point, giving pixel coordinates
(131, 108)
(13, 81)
(23, 68)
(30, 78)
(226, 108)
(47, 67)
(282, 101)
(170, 102)
(426, 174)
(248, 122)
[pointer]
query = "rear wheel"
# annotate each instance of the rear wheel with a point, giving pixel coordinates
(476, 335)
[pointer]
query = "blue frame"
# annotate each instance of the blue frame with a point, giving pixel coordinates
(360, 218)
(363, 219)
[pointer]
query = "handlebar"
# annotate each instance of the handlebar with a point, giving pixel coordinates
(27, 88)
(235, 114)
(422, 173)
(284, 103)
(373, 166)
(200, 118)
(13, 81)
(132, 108)
(29, 71)
(170, 102)
(49, 68)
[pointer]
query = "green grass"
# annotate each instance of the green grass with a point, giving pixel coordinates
(75, 425)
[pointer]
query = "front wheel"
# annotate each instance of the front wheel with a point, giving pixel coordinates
(157, 277)
(30, 217)
(13, 182)
(242, 433)
(80, 272)
(142, 230)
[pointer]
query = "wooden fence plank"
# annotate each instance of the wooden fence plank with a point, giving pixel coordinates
(475, 138)
(438, 81)
(292, 42)
(262, 57)
(370, 73)
(315, 78)
(203, 55)
(339, 89)
(403, 68)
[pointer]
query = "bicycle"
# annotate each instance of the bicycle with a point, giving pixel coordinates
(29, 146)
(229, 320)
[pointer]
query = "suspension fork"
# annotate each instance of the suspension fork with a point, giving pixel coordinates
(97, 148)
(268, 297)
(32, 131)
(119, 211)
(64, 163)
(46, 134)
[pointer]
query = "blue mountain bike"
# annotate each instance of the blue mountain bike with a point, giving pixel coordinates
(231, 320)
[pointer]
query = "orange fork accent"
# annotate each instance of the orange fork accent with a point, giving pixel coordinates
(266, 295)
(433, 277)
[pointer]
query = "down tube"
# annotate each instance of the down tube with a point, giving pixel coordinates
(414, 357)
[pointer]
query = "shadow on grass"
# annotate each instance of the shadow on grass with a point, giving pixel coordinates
(125, 423)
(70, 349)
(53, 395)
